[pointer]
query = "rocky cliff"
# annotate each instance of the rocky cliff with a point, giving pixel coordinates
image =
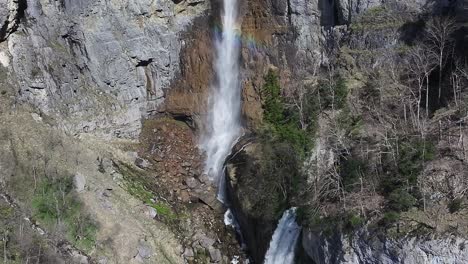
(95, 66)
(368, 248)
(101, 104)
(355, 46)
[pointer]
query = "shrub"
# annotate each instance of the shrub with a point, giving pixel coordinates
(273, 105)
(390, 218)
(55, 203)
(350, 124)
(400, 184)
(400, 200)
(353, 221)
(278, 176)
(5, 211)
(413, 153)
(333, 94)
(455, 205)
(351, 170)
(138, 186)
(283, 123)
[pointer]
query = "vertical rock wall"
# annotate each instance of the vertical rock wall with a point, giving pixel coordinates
(94, 66)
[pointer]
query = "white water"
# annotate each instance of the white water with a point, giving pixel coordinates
(284, 240)
(223, 119)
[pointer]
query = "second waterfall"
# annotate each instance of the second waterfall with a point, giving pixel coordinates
(222, 125)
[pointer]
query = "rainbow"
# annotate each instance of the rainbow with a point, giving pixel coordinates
(247, 40)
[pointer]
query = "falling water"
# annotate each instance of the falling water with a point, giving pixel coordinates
(284, 240)
(223, 119)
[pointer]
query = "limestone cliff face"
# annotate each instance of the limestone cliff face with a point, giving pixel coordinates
(367, 248)
(94, 66)
(101, 66)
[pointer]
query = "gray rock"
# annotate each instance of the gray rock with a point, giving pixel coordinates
(80, 182)
(36, 117)
(215, 254)
(144, 251)
(204, 240)
(364, 248)
(142, 163)
(11, 12)
(188, 253)
(192, 182)
(151, 212)
(204, 178)
(96, 66)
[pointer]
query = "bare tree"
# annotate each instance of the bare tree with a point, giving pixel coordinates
(439, 36)
(421, 64)
(459, 77)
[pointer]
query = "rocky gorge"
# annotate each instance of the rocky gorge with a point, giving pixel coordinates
(353, 112)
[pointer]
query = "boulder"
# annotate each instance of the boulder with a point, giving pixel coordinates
(79, 181)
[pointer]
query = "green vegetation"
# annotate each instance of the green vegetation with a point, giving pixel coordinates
(136, 186)
(55, 204)
(350, 124)
(139, 191)
(413, 154)
(354, 221)
(274, 109)
(390, 218)
(333, 94)
(286, 137)
(283, 123)
(400, 185)
(455, 205)
(351, 170)
(400, 200)
(268, 181)
(5, 212)
(347, 222)
(376, 18)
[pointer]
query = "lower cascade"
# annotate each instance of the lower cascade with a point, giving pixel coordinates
(284, 240)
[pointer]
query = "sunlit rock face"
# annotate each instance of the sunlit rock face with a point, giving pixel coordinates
(365, 247)
(96, 66)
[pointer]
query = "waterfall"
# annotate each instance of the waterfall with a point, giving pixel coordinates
(284, 240)
(223, 119)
